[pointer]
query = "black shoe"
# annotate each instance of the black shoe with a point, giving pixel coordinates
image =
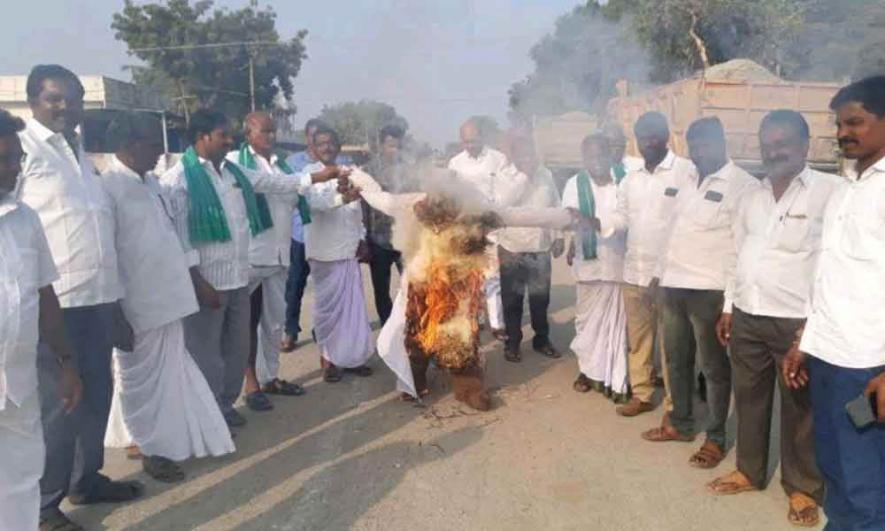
(58, 521)
(110, 492)
(162, 469)
(258, 401)
(234, 419)
(548, 351)
(513, 355)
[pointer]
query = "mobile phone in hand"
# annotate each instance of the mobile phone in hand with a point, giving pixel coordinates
(862, 410)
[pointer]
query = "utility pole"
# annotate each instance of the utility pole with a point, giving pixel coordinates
(252, 80)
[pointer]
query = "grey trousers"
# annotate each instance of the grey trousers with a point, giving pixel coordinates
(689, 320)
(218, 339)
(758, 344)
(75, 442)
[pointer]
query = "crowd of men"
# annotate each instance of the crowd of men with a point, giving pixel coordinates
(191, 282)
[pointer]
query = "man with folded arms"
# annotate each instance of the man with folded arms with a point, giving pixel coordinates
(766, 302)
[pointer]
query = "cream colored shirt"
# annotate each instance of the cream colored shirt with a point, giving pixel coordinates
(846, 326)
(778, 243)
(65, 190)
(26, 266)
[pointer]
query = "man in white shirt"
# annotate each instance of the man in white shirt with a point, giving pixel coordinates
(645, 210)
(166, 404)
(269, 257)
(596, 256)
(524, 257)
(29, 310)
(617, 140)
(502, 185)
(700, 249)
(766, 302)
(335, 244)
(843, 337)
(62, 186)
(216, 214)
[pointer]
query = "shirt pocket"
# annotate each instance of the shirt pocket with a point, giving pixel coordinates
(863, 237)
(794, 233)
(708, 211)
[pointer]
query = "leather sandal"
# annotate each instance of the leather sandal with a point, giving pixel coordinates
(733, 483)
(666, 434)
(709, 455)
(803, 511)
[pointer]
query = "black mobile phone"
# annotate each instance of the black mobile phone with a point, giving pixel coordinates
(862, 410)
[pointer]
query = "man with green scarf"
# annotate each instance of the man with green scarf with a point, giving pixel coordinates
(217, 209)
(269, 260)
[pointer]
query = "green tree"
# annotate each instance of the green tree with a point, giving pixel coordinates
(359, 122)
(177, 41)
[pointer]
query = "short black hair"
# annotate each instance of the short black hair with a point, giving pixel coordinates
(324, 129)
(709, 127)
(9, 124)
(313, 123)
(391, 130)
(595, 139)
(652, 122)
(786, 118)
(203, 122)
(869, 92)
(41, 73)
(129, 127)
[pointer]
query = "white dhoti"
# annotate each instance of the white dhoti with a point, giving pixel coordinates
(22, 456)
(273, 315)
(494, 305)
(601, 334)
(341, 321)
(165, 403)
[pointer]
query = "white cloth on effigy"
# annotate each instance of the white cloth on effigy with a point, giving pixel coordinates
(340, 318)
(600, 341)
(392, 343)
(166, 404)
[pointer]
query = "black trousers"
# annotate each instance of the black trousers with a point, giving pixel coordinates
(521, 272)
(380, 263)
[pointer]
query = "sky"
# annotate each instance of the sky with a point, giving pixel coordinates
(436, 61)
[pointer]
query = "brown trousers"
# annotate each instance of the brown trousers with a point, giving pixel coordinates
(642, 326)
(758, 345)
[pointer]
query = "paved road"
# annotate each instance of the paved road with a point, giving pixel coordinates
(352, 456)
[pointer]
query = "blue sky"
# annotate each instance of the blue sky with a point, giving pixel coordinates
(435, 61)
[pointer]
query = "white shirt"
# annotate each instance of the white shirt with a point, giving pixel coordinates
(700, 247)
(542, 193)
(153, 265)
(225, 265)
(271, 247)
(846, 326)
(645, 209)
(335, 228)
(778, 243)
(66, 191)
(610, 246)
(498, 180)
(26, 266)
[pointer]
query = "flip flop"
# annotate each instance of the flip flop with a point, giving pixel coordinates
(331, 374)
(363, 371)
(278, 386)
(723, 486)
(258, 401)
(661, 434)
(162, 469)
(709, 455)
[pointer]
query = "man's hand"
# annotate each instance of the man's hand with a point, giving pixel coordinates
(207, 296)
(363, 253)
(793, 367)
(350, 193)
(328, 173)
(653, 293)
(570, 255)
(877, 387)
(723, 329)
(557, 248)
(71, 388)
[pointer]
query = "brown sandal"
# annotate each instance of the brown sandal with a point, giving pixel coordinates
(803, 510)
(733, 483)
(665, 434)
(709, 455)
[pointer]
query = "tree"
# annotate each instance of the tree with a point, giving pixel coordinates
(684, 36)
(577, 66)
(359, 122)
(177, 41)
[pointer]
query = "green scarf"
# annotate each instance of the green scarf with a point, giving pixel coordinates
(619, 170)
(248, 162)
(207, 219)
(587, 205)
